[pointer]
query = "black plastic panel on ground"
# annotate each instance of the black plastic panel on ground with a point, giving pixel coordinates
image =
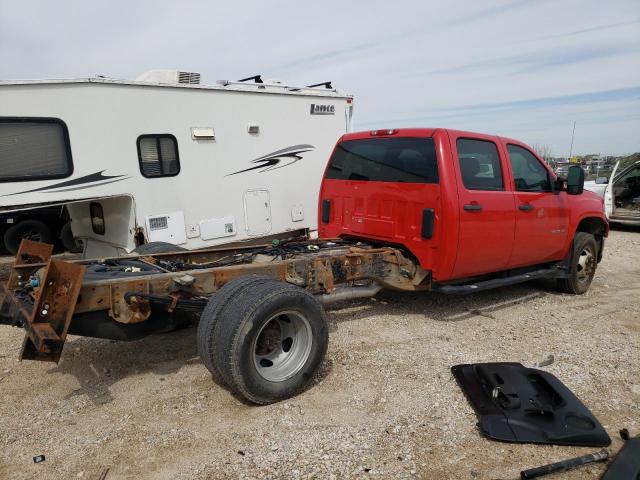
(526, 405)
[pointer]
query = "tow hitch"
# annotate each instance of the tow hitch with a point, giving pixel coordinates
(40, 297)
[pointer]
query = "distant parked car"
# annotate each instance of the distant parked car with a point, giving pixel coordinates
(46, 224)
(621, 193)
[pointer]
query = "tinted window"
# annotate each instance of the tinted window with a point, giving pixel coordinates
(158, 155)
(529, 175)
(479, 164)
(34, 149)
(410, 160)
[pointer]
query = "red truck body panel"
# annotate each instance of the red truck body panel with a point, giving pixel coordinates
(475, 231)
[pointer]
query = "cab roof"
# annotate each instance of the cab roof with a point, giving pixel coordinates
(423, 132)
(398, 132)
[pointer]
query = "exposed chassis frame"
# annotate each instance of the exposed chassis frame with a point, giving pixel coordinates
(44, 296)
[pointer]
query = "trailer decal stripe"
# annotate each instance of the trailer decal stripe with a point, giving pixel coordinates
(272, 160)
(92, 178)
(90, 186)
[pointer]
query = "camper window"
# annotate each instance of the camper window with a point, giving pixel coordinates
(158, 156)
(34, 149)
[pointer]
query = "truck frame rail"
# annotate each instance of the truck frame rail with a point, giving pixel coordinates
(46, 297)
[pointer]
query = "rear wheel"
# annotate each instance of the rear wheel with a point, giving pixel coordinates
(209, 321)
(268, 340)
(26, 229)
(584, 262)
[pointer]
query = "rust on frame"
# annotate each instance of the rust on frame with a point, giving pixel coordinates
(46, 311)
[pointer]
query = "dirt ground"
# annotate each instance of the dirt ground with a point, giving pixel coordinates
(384, 405)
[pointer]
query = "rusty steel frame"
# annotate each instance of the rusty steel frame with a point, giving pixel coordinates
(126, 300)
(46, 313)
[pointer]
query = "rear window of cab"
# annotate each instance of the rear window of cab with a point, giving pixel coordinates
(400, 159)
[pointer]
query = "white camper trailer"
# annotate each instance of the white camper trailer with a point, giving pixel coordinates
(166, 159)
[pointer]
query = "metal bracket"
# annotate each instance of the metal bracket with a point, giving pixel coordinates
(49, 292)
(138, 310)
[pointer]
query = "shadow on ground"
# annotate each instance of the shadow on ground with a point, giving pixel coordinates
(624, 227)
(441, 307)
(98, 364)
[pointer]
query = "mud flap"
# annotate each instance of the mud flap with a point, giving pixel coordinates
(525, 405)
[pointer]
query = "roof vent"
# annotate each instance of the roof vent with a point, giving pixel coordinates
(170, 76)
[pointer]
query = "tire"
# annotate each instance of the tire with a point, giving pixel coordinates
(152, 248)
(68, 240)
(30, 229)
(583, 265)
(270, 339)
(209, 321)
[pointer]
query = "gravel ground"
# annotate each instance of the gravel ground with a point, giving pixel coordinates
(384, 404)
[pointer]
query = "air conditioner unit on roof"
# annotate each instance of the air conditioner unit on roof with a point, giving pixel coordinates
(169, 76)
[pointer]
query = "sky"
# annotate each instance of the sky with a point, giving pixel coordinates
(525, 69)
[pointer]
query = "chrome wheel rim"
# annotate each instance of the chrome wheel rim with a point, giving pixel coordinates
(282, 346)
(586, 264)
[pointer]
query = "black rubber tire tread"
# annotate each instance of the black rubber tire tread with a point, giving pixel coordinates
(242, 316)
(157, 247)
(12, 237)
(206, 333)
(67, 239)
(572, 285)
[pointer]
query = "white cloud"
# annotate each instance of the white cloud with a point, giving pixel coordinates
(418, 63)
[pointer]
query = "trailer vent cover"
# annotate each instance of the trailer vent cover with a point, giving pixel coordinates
(190, 78)
(158, 223)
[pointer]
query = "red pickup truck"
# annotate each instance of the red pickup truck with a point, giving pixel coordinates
(410, 210)
(466, 205)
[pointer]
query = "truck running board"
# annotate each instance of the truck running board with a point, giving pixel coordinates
(45, 313)
(553, 272)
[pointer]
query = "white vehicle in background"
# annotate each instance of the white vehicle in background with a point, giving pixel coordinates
(166, 159)
(621, 192)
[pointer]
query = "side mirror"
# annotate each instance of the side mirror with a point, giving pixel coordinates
(575, 180)
(602, 180)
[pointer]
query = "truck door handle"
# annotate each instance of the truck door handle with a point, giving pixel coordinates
(473, 207)
(525, 207)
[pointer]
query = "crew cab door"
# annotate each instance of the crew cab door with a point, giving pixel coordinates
(542, 215)
(486, 206)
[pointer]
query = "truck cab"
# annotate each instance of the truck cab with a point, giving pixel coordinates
(463, 204)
